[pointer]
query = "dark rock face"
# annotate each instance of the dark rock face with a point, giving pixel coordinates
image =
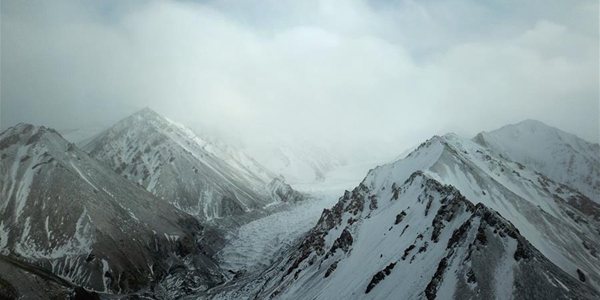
(400, 217)
(344, 242)
(379, 277)
(21, 280)
(581, 275)
(407, 251)
(331, 269)
(432, 287)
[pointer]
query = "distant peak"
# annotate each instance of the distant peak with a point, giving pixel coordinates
(30, 132)
(531, 123)
(451, 136)
(147, 111)
(145, 115)
(24, 128)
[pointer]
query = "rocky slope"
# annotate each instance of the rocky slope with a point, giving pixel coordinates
(25, 281)
(171, 162)
(69, 214)
(561, 156)
(283, 192)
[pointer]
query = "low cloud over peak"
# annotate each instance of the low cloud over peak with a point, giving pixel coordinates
(349, 72)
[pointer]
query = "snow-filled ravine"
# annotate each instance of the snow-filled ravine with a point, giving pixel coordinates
(253, 245)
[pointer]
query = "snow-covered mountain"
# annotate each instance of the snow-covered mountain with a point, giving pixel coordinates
(455, 218)
(206, 180)
(561, 156)
(451, 220)
(65, 212)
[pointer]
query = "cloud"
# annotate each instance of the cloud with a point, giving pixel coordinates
(349, 73)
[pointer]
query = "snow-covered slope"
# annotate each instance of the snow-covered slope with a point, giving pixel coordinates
(451, 220)
(561, 156)
(171, 162)
(233, 156)
(64, 211)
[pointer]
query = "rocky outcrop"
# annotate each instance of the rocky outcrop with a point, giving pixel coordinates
(281, 191)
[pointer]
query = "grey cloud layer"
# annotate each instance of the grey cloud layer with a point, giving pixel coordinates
(343, 71)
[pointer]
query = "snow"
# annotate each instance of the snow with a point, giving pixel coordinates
(105, 269)
(562, 285)
(24, 183)
(47, 227)
(84, 177)
(3, 237)
(504, 272)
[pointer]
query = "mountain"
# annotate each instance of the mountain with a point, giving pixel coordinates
(299, 161)
(65, 212)
(174, 164)
(561, 156)
(453, 219)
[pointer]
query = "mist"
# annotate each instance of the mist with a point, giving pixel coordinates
(358, 75)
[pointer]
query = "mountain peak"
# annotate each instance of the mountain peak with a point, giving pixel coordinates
(24, 130)
(147, 113)
(562, 156)
(532, 127)
(532, 123)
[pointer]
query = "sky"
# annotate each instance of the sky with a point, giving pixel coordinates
(360, 75)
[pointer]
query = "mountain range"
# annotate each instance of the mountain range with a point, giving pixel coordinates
(146, 207)
(452, 220)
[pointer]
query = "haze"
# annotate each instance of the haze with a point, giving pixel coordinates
(360, 75)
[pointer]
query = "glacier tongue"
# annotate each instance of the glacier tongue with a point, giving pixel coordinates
(252, 246)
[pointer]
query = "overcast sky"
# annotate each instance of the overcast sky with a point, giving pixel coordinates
(346, 72)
